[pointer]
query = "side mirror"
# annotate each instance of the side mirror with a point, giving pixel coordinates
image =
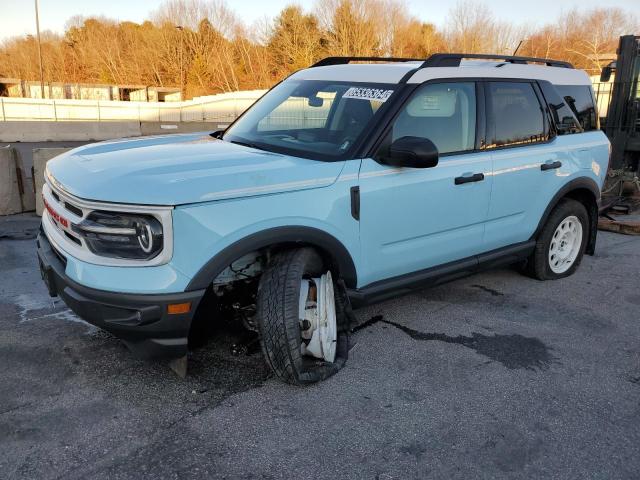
(605, 75)
(412, 152)
(217, 134)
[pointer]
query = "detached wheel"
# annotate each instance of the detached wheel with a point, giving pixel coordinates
(561, 244)
(303, 327)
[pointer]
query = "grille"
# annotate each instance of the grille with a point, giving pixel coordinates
(73, 209)
(63, 206)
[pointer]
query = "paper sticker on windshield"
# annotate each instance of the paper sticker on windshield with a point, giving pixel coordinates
(431, 102)
(377, 94)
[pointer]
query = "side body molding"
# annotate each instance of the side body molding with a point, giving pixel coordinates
(584, 189)
(325, 242)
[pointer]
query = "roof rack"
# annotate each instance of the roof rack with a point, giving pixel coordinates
(344, 60)
(444, 60)
(454, 59)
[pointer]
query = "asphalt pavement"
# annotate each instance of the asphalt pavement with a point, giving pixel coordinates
(492, 376)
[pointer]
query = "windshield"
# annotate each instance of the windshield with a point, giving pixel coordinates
(310, 118)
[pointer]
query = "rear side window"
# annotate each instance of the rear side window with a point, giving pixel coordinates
(564, 119)
(580, 100)
(517, 114)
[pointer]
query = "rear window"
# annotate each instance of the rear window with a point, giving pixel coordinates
(580, 100)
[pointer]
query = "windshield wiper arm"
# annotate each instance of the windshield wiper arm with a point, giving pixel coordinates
(247, 144)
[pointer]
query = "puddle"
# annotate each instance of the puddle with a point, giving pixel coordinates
(512, 351)
(32, 308)
(25, 234)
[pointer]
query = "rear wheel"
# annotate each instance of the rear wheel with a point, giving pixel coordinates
(561, 244)
(302, 322)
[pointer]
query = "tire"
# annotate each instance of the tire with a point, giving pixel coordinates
(556, 253)
(278, 310)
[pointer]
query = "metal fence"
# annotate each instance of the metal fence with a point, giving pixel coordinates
(603, 92)
(222, 108)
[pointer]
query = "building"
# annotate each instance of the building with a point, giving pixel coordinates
(17, 88)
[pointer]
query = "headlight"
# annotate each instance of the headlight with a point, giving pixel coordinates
(122, 235)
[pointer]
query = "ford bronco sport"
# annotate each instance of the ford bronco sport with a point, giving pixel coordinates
(345, 183)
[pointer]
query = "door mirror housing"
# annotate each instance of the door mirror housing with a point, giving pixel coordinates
(605, 75)
(412, 152)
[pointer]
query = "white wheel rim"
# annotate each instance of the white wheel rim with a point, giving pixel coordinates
(317, 316)
(565, 244)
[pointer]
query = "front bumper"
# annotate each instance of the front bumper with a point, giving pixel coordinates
(141, 321)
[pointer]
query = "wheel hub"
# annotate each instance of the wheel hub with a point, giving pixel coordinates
(565, 244)
(317, 318)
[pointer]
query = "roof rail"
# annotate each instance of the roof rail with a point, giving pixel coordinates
(344, 60)
(454, 59)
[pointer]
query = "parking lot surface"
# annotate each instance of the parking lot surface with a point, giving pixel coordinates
(492, 376)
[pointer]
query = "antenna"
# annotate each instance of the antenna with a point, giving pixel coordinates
(519, 45)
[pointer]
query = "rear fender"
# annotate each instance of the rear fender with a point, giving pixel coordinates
(586, 191)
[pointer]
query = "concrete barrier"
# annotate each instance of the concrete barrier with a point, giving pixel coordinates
(163, 128)
(40, 158)
(80, 131)
(28, 189)
(19, 131)
(10, 200)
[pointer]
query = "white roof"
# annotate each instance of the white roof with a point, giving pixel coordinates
(394, 72)
(358, 72)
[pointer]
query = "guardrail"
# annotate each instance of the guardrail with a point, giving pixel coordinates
(224, 108)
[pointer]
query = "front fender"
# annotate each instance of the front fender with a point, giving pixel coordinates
(278, 235)
(210, 236)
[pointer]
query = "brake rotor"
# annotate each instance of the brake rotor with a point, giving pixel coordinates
(317, 316)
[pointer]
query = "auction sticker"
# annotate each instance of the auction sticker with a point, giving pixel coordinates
(377, 94)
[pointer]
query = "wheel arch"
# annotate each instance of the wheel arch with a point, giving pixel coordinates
(585, 191)
(329, 247)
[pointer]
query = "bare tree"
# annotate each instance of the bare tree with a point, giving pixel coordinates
(213, 51)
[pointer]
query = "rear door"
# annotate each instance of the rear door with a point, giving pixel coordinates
(527, 163)
(411, 218)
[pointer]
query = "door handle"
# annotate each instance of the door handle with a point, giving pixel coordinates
(476, 177)
(550, 165)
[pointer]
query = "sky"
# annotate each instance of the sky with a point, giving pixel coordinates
(18, 16)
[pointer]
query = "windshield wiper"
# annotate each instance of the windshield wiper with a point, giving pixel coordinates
(247, 144)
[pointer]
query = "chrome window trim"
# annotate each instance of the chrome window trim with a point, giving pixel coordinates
(56, 235)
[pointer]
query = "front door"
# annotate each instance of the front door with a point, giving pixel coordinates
(412, 219)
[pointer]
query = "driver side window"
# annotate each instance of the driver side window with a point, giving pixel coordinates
(445, 113)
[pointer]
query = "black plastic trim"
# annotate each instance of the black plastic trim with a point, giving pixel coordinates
(384, 289)
(551, 166)
(355, 202)
(140, 320)
(377, 134)
(443, 60)
(454, 59)
(476, 177)
(273, 236)
(345, 60)
(582, 183)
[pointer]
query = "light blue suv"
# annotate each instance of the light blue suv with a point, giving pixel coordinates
(344, 184)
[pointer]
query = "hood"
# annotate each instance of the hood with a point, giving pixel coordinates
(181, 169)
